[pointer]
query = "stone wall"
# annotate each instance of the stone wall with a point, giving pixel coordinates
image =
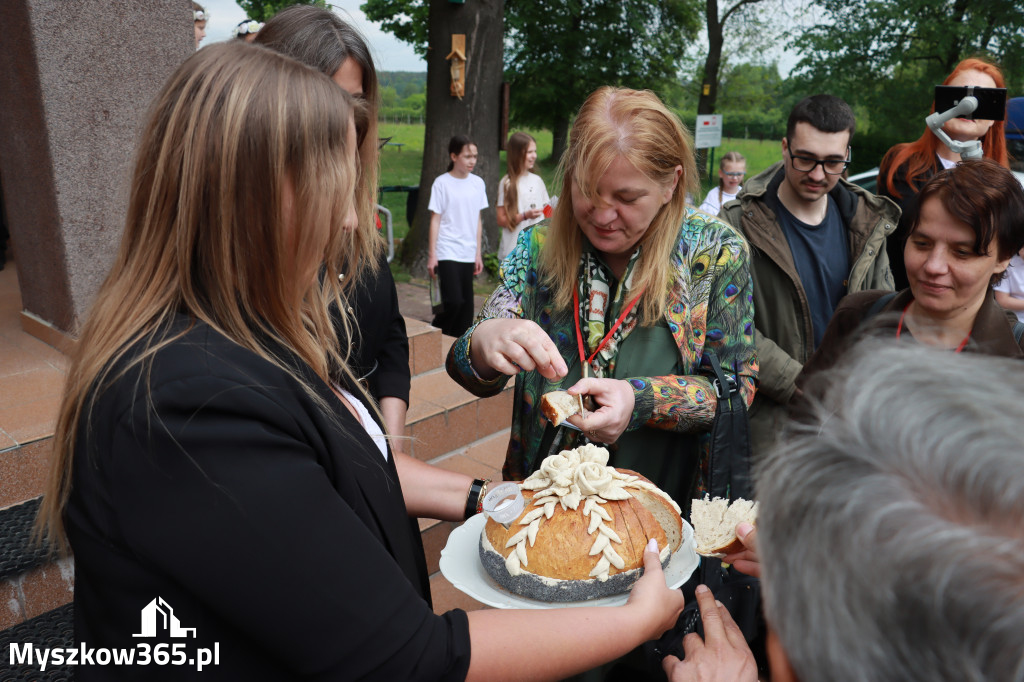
(76, 79)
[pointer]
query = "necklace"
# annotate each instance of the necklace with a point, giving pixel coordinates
(584, 360)
(899, 330)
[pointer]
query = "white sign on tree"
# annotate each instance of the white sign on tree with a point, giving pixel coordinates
(708, 133)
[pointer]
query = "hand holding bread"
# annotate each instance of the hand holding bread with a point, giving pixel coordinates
(614, 400)
(660, 606)
(715, 522)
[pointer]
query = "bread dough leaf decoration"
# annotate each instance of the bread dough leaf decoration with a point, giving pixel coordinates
(569, 479)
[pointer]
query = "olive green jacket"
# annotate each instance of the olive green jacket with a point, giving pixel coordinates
(784, 335)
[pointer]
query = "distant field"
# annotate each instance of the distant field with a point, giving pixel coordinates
(400, 166)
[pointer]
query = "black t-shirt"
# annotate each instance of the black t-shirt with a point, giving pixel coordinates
(822, 257)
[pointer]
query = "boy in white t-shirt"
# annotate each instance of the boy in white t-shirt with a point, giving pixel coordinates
(456, 230)
(1010, 289)
(522, 195)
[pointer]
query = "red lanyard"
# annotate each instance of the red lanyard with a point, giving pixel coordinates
(584, 360)
(899, 329)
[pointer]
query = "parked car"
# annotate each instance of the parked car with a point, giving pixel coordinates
(1015, 132)
(869, 179)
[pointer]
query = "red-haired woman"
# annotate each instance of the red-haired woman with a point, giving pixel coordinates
(907, 167)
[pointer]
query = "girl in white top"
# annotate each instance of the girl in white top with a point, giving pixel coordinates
(731, 170)
(456, 229)
(521, 190)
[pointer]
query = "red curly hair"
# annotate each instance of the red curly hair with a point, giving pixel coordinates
(919, 156)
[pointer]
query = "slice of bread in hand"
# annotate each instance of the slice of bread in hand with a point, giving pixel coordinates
(558, 406)
(714, 524)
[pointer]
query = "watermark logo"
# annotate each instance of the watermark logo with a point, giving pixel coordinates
(159, 613)
(157, 620)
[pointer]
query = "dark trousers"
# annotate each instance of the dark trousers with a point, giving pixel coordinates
(456, 282)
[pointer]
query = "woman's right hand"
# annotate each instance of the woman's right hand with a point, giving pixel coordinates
(651, 596)
(746, 560)
(509, 346)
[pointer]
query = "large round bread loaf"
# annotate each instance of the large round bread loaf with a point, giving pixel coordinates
(582, 532)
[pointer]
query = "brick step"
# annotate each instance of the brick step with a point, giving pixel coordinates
(427, 346)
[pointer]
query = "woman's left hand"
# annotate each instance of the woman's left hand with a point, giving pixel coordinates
(615, 401)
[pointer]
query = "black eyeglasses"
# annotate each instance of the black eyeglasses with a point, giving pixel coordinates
(806, 164)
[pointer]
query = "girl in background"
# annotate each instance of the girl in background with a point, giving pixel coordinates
(907, 167)
(200, 17)
(521, 190)
(456, 230)
(731, 170)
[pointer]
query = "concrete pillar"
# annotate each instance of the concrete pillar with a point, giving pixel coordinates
(76, 79)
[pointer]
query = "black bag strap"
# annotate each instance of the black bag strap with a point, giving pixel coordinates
(877, 306)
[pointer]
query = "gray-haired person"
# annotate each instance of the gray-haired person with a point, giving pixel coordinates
(891, 527)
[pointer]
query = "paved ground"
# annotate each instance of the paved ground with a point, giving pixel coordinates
(414, 301)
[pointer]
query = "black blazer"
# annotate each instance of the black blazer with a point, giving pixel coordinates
(266, 518)
(381, 351)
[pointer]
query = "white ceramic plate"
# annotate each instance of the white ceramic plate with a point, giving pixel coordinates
(460, 564)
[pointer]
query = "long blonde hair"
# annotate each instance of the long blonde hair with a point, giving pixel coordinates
(515, 156)
(231, 132)
(636, 126)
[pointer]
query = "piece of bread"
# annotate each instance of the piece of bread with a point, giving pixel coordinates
(583, 530)
(714, 524)
(558, 406)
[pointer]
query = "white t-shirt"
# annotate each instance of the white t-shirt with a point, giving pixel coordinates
(459, 202)
(713, 204)
(533, 194)
(1013, 283)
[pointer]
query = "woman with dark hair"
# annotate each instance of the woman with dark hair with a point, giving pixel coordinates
(968, 223)
(907, 167)
(217, 466)
(380, 350)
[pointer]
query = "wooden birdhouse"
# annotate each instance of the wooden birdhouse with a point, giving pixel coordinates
(457, 57)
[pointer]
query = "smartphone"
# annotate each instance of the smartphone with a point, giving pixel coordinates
(991, 101)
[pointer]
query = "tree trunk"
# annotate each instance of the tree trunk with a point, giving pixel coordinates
(477, 114)
(559, 137)
(709, 83)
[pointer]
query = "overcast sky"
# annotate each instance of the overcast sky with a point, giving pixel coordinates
(390, 54)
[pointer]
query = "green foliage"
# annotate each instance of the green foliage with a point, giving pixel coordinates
(403, 95)
(405, 19)
(492, 265)
(558, 53)
(261, 10)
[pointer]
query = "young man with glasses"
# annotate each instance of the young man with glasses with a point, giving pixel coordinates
(815, 238)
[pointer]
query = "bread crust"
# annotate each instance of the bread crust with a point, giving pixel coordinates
(561, 562)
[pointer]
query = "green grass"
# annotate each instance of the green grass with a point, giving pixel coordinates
(401, 165)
